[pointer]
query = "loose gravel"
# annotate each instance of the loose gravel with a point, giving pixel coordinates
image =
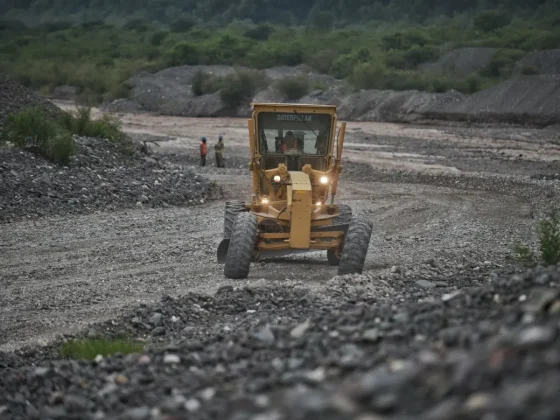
(101, 177)
(280, 353)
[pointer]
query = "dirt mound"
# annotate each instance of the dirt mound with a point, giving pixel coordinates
(462, 61)
(543, 62)
(169, 91)
(100, 178)
(279, 353)
(14, 97)
(526, 99)
(387, 105)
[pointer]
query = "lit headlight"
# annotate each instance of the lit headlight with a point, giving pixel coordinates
(324, 180)
(318, 204)
(264, 200)
(276, 178)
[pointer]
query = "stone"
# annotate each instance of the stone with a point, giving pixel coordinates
(371, 334)
(265, 335)
(156, 319)
(425, 284)
(535, 336)
(171, 358)
(300, 330)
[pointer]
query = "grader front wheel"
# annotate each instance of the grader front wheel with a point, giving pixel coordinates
(344, 216)
(231, 210)
(241, 246)
(356, 246)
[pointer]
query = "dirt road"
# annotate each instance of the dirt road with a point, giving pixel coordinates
(59, 274)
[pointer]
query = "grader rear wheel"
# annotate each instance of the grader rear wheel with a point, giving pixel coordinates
(241, 246)
(356, 246)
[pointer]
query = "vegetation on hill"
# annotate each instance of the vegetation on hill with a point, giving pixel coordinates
(98, 57)
(315, 12)
(34, 129)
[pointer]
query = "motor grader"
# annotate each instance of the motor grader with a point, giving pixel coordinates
(295, 160)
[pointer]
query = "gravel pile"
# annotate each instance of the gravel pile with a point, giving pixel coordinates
(487, 352)
(100, 177)
(14, 97)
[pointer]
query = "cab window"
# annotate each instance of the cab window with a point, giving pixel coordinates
(281, 133)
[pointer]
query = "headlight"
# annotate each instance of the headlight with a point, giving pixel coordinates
(324, 180)
(264, 200)
(276, 178)
(318, 204)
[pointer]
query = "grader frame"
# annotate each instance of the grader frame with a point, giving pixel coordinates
(290, 210)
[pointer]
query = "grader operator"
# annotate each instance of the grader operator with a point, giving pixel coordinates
(295, 170)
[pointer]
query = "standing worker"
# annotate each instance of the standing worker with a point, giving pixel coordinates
(203, 152)
(220, 153)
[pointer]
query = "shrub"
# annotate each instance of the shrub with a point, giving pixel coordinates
(241, 86)
(89, 349)
(35, 130)
(139, 25)
(502, 63)
(490, 20)
(157, 38)
(294, 87)
(548, 229)
(404, 40)
(183, 24)
(12, 25)
(343, 66)
(82, 123)
(122, 90)
(183, 53)
(203, 83)
(259, 33)
(369, 76)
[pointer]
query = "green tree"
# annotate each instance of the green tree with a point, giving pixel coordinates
(491, 20)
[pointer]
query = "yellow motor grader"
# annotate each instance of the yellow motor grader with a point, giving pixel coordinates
(295, 170)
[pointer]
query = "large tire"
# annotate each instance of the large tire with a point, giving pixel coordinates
(231, 210)
(241, 246)
(356, 246)
(345, 215)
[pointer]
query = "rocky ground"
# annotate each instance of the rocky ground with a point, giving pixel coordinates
(442, 324)
(283, 353)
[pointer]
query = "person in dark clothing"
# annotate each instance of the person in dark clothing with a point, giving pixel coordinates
(203, 151)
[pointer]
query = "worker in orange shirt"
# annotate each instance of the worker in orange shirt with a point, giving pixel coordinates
(203, 152)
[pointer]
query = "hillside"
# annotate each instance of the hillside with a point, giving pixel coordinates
(315, 12)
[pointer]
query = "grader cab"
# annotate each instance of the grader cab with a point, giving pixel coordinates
(295, 160)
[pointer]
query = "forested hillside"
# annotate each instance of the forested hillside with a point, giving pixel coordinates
(323, 12)
(96, 45)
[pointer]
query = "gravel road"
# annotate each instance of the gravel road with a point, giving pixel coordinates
(59, 273)
(440, 325)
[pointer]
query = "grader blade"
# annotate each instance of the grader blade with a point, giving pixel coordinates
(222, 251)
